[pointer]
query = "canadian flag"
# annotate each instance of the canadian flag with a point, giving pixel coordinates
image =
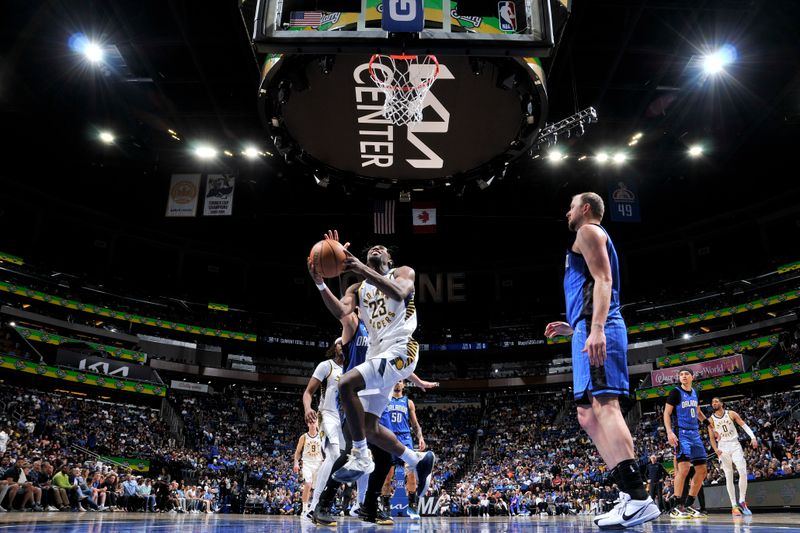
(424, 217)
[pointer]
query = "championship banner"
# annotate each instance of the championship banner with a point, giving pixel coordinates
(219, 195)
(624, 204)
(183, 193)
(85, 378)
(702, 370)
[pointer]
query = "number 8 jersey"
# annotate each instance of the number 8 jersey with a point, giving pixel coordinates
(385, 318)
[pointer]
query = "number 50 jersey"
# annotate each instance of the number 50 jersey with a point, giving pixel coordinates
(386, 319)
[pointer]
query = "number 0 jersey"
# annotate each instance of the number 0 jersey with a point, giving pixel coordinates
(684, 417)
(725, 426)
(385, 318)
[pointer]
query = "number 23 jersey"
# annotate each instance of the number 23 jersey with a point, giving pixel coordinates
(385, 318)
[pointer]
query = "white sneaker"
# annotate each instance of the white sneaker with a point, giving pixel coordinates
(359, 463)
(628, 513)
(354, 511)
(51, 509)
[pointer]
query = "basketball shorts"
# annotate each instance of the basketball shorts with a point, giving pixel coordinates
(690, 447)
(611, 379)
(732, 454)
(310, 472)
(331, 431)
(394, 360)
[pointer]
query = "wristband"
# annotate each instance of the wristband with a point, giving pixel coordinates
(321, 286)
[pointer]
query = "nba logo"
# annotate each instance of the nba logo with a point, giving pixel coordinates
(507, 14)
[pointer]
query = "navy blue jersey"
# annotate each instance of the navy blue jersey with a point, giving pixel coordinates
(355, 352)
(395, 416)
(579, 285)
(684, 416)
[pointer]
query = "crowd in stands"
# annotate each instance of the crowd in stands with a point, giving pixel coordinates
(519, 454)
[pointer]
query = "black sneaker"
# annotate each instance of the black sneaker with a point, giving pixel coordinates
(322, 516)
(375, 515)
(424, 473)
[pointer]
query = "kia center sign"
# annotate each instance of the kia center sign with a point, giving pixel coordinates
(101, 365)
(478, 115)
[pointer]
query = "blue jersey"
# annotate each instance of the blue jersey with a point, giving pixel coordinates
(579, 285)
(684, 416)
(356, 350)
(395, 416)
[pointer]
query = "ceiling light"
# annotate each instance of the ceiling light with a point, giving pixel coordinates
(620, 157)
(228, 153)
(633, 142)
(695, 150)
(602, 157)
(555, 155)
(637, 136)
(93, 52)
(716, 62)
(581, 158)
(250, 152)
(205, 152)
(107, 137)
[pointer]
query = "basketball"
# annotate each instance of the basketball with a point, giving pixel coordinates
(328, 258)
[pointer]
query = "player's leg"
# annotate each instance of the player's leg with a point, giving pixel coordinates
(726, 462)
(349, 385)
(308, 476)
(370, 510)
(698, 457)
(679, 485)
(322, 511)
(741, 467)
(387, 489)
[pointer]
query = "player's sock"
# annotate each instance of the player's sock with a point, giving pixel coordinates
(689, 501)
(360, 444)
(387, 503)
(630, 479)
(412, 499)
(410, 457)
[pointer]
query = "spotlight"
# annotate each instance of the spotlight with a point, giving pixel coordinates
(250, 152)
(602, 157)
(228, 153)
(695, 150)
(12, 324)
(716, 62)
(555, 155)
(637, 136)
(323, 181)
(107, 137)
(205, 152)
(93, 52)
(686, 336)
(620, 158)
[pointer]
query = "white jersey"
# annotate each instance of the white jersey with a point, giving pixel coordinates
(385, 318)
(328, 373)
(726, 428)
(312, 449)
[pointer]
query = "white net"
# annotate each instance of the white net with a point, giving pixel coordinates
(404, 80)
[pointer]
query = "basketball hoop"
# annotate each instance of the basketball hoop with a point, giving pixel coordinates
(404, 80)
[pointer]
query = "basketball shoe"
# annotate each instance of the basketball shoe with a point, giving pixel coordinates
(359, 462)
(628, 513)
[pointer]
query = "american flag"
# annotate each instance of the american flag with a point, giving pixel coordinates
(305, 18)
(383, 216)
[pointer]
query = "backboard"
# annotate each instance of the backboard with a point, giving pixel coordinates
(521, 28)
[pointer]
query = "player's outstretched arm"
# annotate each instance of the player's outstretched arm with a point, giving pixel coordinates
(338, 308)
(421, 383)
(738, 419)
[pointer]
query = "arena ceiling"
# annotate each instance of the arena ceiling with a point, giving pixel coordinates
(73, 203)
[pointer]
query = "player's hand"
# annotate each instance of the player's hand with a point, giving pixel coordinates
(334, 236)
(312, 271)
(716, 435)
(557, 328)
(296, 468)
(719, 453)
(421, 444)
(353, 264)
(425, 385)
(311, 416)
(596, 346)
(754, 443)
(673, 439)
